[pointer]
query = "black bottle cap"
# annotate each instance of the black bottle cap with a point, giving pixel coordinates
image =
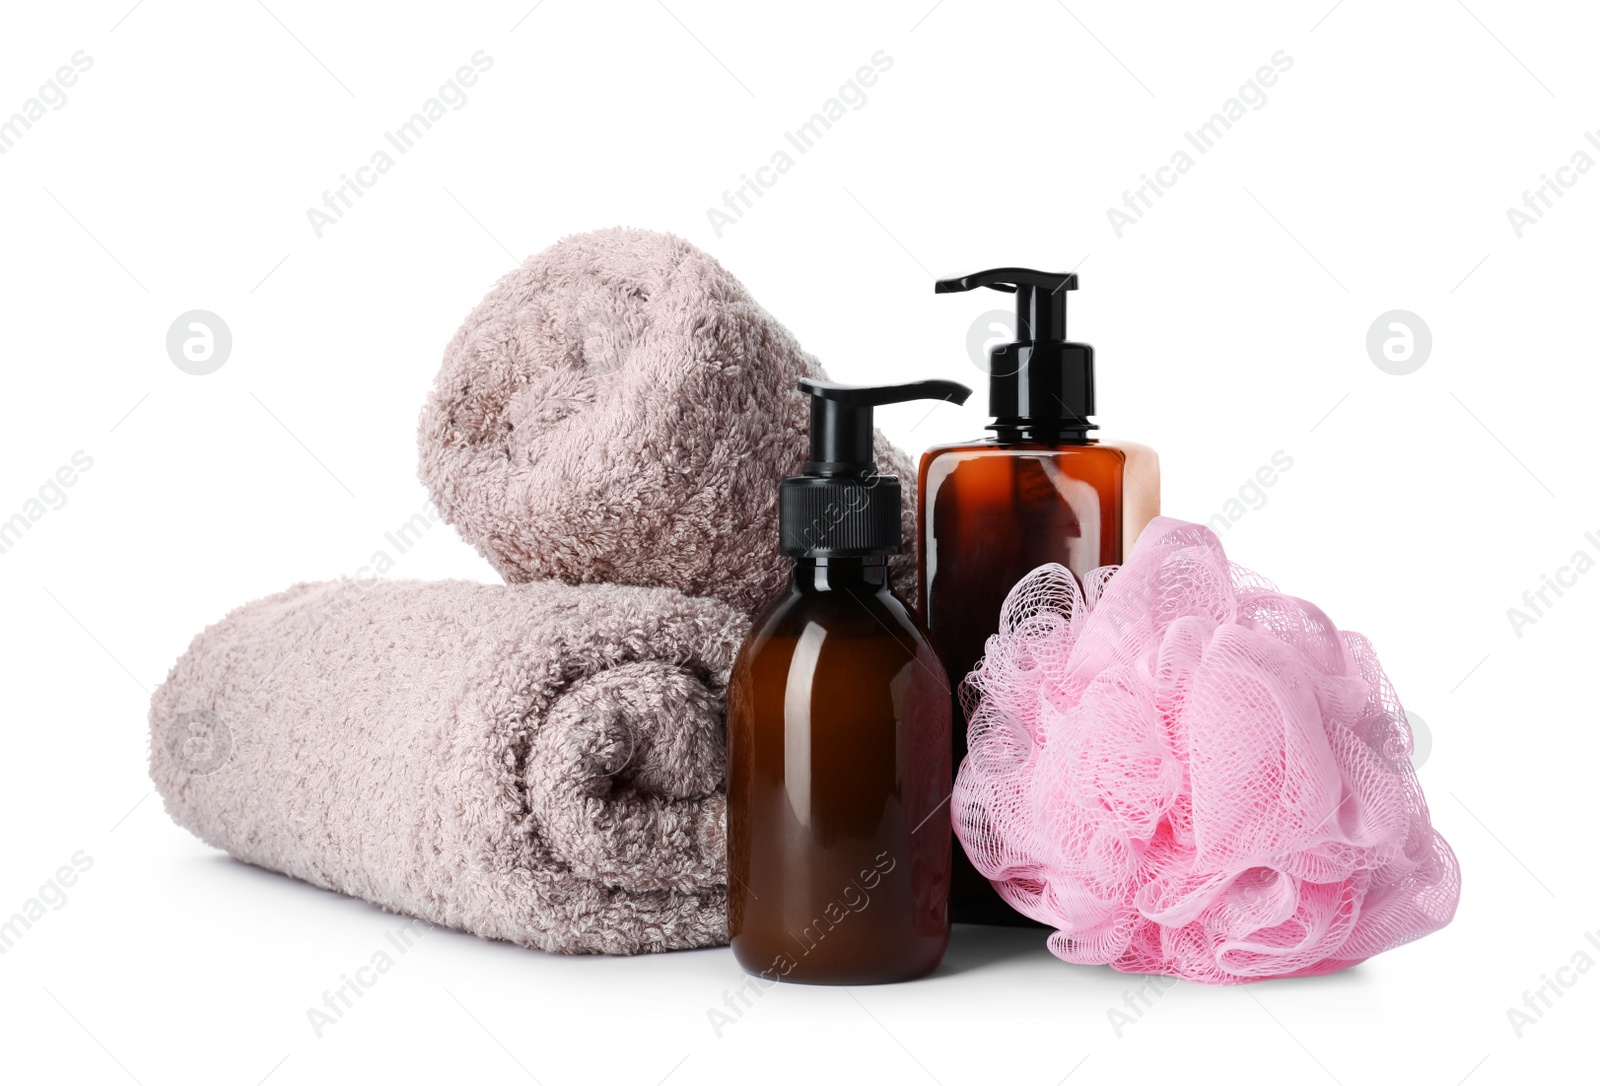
(1039, 381)
(842, 506)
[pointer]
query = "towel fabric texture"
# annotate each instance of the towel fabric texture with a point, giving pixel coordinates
(541, 763)
(619, 409)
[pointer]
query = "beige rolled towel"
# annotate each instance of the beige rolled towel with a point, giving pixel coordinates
(541, 763)
(620, 409)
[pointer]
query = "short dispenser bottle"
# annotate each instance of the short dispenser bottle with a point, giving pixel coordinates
(839, 838)
(1042, 489)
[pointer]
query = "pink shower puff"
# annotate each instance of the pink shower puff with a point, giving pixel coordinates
(1186, 772)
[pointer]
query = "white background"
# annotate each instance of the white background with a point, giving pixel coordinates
(1230, 323)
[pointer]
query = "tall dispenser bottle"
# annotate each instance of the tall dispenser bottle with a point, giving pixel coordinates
(839, 839)
(1042, 489)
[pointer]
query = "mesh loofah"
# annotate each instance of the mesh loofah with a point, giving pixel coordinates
(1186, 772)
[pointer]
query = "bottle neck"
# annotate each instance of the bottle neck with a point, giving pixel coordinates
(841, 574)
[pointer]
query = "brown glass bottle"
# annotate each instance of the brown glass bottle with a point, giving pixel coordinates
(1042, 490)
(839, 845)
(989, 513)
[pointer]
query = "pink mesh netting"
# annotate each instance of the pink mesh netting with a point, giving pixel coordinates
(1187, 772)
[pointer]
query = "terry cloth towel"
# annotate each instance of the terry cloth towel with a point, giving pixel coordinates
(620, 409)
(540, 763)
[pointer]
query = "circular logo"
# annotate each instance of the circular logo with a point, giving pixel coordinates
(1399, 342)
(600, 340)
(1255, 885)
(199, 342)
(1421, 740)
(624, 745)
(604, 754)
(199, 742)
(986, 330)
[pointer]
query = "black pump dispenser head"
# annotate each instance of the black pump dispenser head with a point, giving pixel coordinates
(841, 506)
(1039, 382)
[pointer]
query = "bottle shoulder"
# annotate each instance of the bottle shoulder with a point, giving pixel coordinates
(1115, 449)
(837, 614)
(1131, 448)
(990, 444)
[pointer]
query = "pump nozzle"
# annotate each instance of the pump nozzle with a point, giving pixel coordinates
(1008, 280)
(841, 419)
(841, 506)
(1039, 381)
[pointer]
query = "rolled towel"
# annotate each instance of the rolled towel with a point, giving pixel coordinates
(540, 763)
(620, 409)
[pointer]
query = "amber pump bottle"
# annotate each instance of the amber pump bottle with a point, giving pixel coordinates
(839, 840)
(1043, 489)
